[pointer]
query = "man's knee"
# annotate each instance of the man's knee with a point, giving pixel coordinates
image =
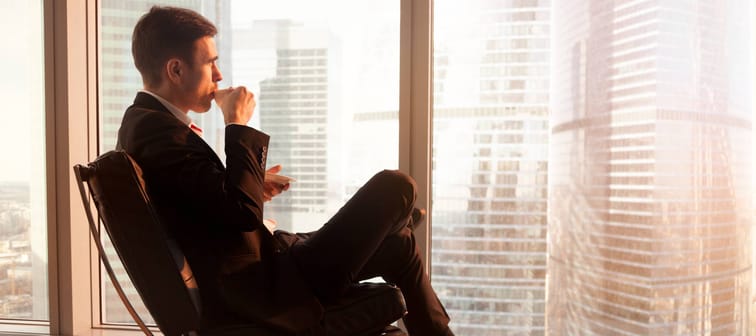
(398, 182)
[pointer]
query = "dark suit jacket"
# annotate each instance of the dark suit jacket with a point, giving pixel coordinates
(215, 214)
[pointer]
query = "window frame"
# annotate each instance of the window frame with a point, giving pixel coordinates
(416, 108)
(71, 100)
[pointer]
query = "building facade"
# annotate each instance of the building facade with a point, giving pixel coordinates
(293, 64)
(650, 204)
(490, 141)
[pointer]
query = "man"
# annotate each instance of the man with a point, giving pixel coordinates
(245, 272)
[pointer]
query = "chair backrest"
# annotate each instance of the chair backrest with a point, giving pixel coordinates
(153, 264)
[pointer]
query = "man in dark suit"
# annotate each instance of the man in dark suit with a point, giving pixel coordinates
(215, 212)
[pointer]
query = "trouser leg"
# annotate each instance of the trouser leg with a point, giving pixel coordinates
(398, 261)
(369, 237)
(331, 258)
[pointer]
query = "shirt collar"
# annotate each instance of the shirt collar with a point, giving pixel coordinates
(171, 108)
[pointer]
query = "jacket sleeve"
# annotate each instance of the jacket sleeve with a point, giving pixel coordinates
(179, 166)
(246, 153)
(234, 194)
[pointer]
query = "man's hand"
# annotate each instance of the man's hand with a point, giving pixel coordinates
(237, 104)
(270, 188)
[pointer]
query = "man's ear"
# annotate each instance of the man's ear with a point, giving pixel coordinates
(174, 68)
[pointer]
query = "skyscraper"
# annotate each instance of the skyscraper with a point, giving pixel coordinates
(650, 200)
(490, 139)
(293, 62)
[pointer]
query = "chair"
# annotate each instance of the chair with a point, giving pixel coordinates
(163, 278)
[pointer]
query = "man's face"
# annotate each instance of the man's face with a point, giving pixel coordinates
(199, 84)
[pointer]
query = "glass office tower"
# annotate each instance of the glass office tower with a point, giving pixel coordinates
(490, 152)
(650, 201)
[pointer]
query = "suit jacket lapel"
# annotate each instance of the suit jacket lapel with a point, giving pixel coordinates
(146, 101)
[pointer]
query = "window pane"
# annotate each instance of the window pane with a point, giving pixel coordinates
(326, 78)
(650, 172)
(650, 148)
(490, 133)
(23, 206)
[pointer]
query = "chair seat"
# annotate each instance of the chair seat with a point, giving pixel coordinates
(248, 330)
(245, 330)
(364, 310)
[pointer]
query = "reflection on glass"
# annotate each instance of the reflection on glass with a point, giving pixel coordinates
(490, 133)
(23, 206)
(650, 202)
(326, 78)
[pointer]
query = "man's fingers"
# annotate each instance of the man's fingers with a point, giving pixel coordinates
(237, 106)
(275, 169)
(222, 94)
(267, 195)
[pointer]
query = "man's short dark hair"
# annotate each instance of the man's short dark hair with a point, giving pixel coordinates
(164, 33)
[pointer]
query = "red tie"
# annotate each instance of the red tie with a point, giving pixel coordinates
(196, 129)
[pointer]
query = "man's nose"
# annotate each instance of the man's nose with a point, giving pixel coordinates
(217, 76)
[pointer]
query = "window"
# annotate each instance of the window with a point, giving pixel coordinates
(490, 154)
(650, 204)
(591, 160)
(326, 80)
(23, 191)
(645, 149)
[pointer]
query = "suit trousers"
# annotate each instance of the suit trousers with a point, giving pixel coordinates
(370, 236)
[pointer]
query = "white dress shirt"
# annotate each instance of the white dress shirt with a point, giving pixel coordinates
(176, 113)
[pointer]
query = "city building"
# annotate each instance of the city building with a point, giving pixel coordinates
(490, 140)
(650, 199)
(18, 295)
(294, 63)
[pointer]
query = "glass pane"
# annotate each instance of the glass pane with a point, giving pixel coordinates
(23, 192)
(490, 133)
(490, 139)
(651, 189)
(326, 78)
(650, 148)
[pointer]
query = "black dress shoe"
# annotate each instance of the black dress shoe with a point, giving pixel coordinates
(418, 216)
